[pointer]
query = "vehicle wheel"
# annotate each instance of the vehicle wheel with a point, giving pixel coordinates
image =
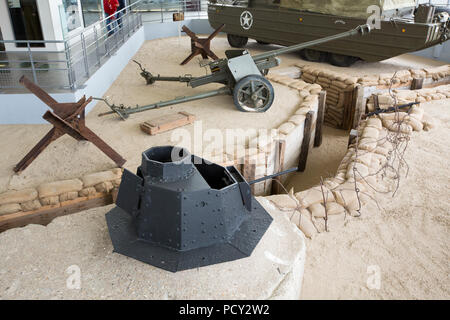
(237, 41)
(313, 55)
(253, 93)
(341, 60)
(262, 42)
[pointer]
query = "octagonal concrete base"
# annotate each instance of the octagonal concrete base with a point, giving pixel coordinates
(44, 263)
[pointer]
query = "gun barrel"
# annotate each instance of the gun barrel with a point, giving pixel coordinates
(362, 29)
(124, 112)
(176, 79)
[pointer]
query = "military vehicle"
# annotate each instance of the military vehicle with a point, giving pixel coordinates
(403, 26)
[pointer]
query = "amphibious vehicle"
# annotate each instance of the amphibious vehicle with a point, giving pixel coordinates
(400, 26)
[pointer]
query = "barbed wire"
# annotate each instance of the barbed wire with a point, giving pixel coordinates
(392, 170)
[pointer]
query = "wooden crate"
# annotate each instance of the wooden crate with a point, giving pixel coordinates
(167, 122)
(178, 16)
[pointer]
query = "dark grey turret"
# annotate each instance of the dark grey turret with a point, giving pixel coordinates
(180, 212)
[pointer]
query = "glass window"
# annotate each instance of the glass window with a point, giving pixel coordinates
(92, 11)
(25, 21)
(72, 15)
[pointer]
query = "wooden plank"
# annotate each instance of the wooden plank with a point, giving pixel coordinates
(166, 123)
(306, 142)
(279, 165)
(320, 118)
(348, 110)
(249, 171)
(417, 84)
(376, 103)
(359, 106)
(46, 214)
(178, 16)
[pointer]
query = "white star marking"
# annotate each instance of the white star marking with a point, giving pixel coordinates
(246, 20)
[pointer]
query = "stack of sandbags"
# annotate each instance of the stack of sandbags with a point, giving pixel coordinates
(404, 122)
(360, 169)
(385, 78)
(309, 74)
(385, 100)
(369, 80)
(335, 84)
(59, 192)
(418, 73)
(20, 200)
(403, 77)
(437, 73)
(102, 182)
(292, 72)
(436, 93)
(52, 193)
(305, 89)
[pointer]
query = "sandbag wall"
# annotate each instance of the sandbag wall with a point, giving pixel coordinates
(58, 194)
(338, 195)
(341, 104)
(385, 99)
(339, 88)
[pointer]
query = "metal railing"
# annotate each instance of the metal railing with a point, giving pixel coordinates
(77, 57)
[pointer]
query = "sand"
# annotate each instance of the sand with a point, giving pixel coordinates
(407, 239)
(67, 158)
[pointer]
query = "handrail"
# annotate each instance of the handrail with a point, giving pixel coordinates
(103, 20)
(75, 58)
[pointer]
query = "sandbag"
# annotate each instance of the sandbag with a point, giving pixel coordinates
(284, 201)
(104, 187)
(30, 205)
(92, 179)
(286, 128)
(48, 201)
(68, 196)
(9, 208)
(297, 119)
(89, 191)
(314, 195)
(58, 187)
(18, 196)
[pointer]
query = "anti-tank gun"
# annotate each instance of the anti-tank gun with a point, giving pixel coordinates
(241, 74)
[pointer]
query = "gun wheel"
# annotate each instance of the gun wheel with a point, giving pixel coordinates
(253, 93)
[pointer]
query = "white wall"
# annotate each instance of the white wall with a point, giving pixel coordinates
(50, 23)
(439, 52)
(5, 24)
